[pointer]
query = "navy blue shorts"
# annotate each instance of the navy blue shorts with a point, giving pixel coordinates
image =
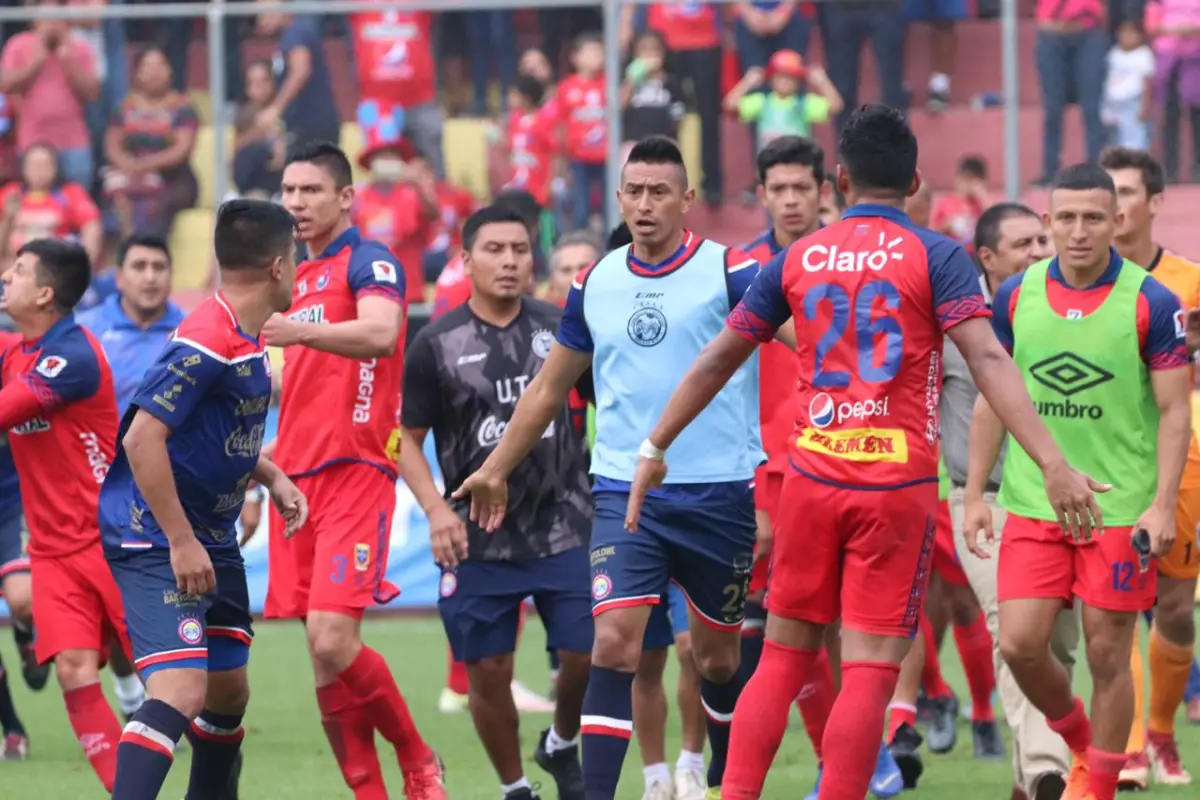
(668, 619)
(173, 630)
(480, 603)
(13, 540)
(706, 549)
(936, 10)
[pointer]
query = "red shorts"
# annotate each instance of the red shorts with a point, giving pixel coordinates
(76, 604)
(338, 560)
(1037, 560)
(767, 488)
(945, 558)
(863, 556)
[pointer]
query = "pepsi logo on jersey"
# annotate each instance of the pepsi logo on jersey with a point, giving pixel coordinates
(823, 410)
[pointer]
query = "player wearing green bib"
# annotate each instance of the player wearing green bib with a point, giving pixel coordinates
(1100, 344)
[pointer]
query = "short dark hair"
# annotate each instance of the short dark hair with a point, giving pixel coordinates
(1083, 177)
(147, 240)
(987, 229)
(522, 203)
(64, 267)
(879, 150)
(326, 155)
(839, 199)
(251, 234)
(494, 214)
(1153, 177)
(530, 88)
(656, 150)
(618, 237)
(974, 166)
(792, 150)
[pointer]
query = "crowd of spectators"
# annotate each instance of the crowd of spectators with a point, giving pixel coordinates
(98, 127)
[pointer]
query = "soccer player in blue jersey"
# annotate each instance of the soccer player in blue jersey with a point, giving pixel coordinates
(638, 317)
(190, 444)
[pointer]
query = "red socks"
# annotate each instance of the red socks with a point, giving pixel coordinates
(456, 680)
(97, 729)
(1074, 728)
(816, 700)
(852, 735)
(1104, 772)
(931, 674)
(898, 714)
(352, 739)
(782, 674)
(975, 649)
(371, 682)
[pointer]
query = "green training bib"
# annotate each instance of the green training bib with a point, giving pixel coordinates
(944, 484)
(1092, 389)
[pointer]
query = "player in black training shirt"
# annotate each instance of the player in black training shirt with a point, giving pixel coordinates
(463, 376)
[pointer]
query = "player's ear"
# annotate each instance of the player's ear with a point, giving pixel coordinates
(915, 186)
(842, 178)
(689, 197)
(346, 200)
(1156, 201)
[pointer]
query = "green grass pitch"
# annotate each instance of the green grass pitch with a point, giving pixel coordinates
(287, 757)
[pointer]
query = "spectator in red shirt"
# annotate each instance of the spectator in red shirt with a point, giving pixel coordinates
(455, 204)
(393, 51)
(42, 205)
(531, 142)
(49, 77)
(149, 148)
(957, 214)
(397, 207)
(582, 102)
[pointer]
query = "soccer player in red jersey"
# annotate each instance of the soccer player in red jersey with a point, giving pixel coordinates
(872, 298)
(59, 409)
(343, 346)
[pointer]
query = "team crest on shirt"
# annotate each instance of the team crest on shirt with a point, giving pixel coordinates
(51, 366)
(362, 556)
(384, 271)
(190, 631)
(449, 584)
(602, 587)
(323, 281)
(1180, 324)
(647, 326)
(302, 288)
(543, 340)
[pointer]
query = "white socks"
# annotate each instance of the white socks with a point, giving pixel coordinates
(130, 693)
(657, 773)
(554, 742)
(523, 783)
(689, 762)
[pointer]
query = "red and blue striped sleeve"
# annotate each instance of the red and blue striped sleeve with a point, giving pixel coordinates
(374, 271)
(764, 306)
(573, 329)
(1163, 342)
(1003, 306)
(955, 281)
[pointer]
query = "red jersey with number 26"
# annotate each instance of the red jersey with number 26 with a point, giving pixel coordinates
(872, 296)
(337, 410)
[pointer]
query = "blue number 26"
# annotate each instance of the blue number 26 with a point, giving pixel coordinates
(866, 330)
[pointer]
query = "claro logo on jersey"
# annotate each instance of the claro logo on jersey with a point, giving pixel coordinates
(366, 390)
(855, 444)
(492, 430)
(831, 258)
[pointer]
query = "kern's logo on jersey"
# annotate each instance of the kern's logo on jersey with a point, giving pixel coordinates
(823, 411)
(831, 258)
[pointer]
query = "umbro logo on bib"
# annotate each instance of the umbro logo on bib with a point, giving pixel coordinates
(1074, 313)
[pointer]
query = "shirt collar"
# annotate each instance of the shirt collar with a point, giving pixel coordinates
(877, 210)
(349, 238)
(57, 329)
(1109, 275)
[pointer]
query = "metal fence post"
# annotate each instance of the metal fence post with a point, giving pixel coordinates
(1012, 99)
(216, 93)
(612, 80)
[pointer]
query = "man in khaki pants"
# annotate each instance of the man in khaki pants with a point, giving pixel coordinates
(1008, 238)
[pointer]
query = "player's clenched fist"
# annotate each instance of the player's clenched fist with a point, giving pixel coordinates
(279, 331)
(1159, 522)
(192, 567)
(489, 498)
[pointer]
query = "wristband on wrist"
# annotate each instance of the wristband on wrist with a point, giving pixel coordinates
(648, 450)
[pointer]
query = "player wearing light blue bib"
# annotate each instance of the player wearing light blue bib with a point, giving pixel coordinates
(639, 318)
